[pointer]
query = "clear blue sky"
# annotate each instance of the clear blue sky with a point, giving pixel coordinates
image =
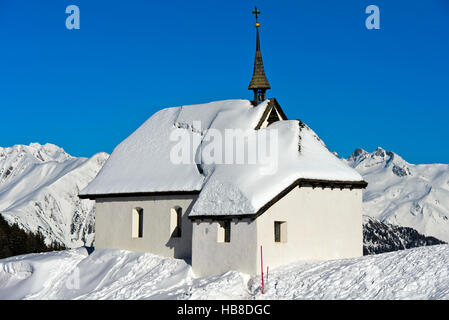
(86, 90)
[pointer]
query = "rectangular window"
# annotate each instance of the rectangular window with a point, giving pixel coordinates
(137, 223)
(141, 224)
(179, 221)
(224, 231)
(176, 222)
(280, 231)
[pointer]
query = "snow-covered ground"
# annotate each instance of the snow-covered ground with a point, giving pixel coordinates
(420, 273)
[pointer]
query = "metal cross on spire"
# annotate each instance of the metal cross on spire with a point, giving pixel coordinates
(259, 82)
(256, 12)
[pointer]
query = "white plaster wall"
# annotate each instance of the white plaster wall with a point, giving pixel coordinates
(322, 224)
(210, 257)
(113, 225)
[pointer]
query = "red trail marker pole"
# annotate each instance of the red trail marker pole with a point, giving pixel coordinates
(261, 267)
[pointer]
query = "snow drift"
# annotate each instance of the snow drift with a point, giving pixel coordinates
(420, 273)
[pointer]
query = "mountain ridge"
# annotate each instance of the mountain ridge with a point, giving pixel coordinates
(404, 194)
(38, 191)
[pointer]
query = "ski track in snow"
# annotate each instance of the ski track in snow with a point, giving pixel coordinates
(420, 273)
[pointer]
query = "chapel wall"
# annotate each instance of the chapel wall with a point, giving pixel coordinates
(322, 224)
(211, 257)
(113, 225)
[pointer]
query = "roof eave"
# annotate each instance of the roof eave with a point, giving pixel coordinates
(136, 194)
(333, 184)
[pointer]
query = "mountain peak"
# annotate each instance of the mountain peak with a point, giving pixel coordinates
(35, 151)
(39, 186)
(379, 159)
(17, 159)
(357, 153)
(356, 157)
(382, 153)
(48, 152)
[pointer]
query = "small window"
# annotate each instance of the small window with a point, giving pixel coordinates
(137, 223)
(224, 231)
(280, 231)
(175, 222)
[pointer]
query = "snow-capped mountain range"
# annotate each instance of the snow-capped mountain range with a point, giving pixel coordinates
(39, 185)
(405, 194)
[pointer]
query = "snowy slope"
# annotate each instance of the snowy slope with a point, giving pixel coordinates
(39, 185)
(420, 273)
(405, 194)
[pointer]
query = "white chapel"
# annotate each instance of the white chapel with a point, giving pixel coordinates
(215, 183)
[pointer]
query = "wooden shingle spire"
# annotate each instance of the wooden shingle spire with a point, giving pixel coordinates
(259, 82)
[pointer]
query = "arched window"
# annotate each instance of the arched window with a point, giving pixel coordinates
(137, 223)
(175, 222)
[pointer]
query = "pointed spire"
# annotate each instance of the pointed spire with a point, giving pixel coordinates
(259, 82)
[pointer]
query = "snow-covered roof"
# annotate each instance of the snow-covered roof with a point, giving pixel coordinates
(142, 163)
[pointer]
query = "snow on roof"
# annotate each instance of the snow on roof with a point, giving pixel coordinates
(142, 163)
(244, 189)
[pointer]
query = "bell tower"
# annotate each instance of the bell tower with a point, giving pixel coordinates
(259, 83)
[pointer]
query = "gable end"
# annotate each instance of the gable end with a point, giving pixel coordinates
(273, 112)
